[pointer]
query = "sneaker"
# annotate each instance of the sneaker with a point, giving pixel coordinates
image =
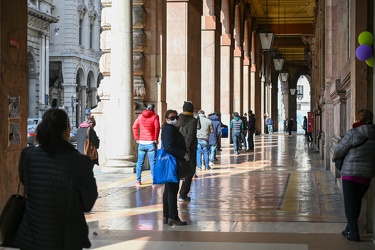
(184, 199)
(236, 153)
(138, 183)
(195, 176)
(216, 159)
(219, 149)
(200, 168)
(211, 164)
(209, 168)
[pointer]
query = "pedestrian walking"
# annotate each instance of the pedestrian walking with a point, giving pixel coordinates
(269, 123)
(146, 130)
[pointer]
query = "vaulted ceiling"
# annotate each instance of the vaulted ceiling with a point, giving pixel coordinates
(290, 20)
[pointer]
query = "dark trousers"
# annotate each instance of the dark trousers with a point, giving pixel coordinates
(170, 200)
(353, 194)
(250, 140)
(185, 187)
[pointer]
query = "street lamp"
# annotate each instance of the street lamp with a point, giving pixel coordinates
(266, 36)
(284, 76)
(278, 62)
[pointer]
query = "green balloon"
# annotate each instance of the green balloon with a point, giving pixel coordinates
(370, 62)
(366, 38)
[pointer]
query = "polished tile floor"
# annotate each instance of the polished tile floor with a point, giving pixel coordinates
(277, 197)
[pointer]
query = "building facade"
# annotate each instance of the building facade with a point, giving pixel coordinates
(64, 53)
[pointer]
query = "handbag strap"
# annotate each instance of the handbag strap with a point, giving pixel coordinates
(88, 133)
(24, 170)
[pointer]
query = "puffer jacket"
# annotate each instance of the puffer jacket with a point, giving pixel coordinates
(149, 126)
(217, 129)
(60, 188)
(357, 148)
(187, 125)
(206, 128)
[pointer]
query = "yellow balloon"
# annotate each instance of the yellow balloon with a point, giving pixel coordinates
(370, 62)
(366, 37)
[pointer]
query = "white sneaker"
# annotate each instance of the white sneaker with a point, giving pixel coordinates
(211, 164)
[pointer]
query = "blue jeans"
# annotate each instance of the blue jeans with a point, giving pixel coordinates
(236, 136)
(270, 129)
(150, 149)
(202, 146)
(212, 152)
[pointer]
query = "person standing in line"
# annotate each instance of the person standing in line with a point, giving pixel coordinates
(203, 135)
(269, 123)
(304, 125)
(215, 134)
(243, 133)
(354, 157)
(237, 126)
(251, 130)
(173, 143)
(60, 188)
(290, 125)
(82, 134)
(187, 125)
(146, 130)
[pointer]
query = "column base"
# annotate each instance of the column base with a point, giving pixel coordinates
(120, 164)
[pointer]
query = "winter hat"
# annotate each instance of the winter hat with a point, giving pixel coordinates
(188, 107)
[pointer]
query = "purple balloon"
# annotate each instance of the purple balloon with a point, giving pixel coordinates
(364, 52)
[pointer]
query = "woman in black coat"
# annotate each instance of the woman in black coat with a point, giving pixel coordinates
(173, 143)
(60, 187)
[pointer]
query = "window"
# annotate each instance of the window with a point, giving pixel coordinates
(80, 32)
(91, 35)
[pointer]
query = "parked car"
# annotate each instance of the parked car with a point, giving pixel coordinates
(32, 123)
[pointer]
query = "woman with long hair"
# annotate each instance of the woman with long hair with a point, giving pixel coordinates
(60, 186)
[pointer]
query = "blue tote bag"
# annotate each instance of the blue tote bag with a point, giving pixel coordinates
(165, 169)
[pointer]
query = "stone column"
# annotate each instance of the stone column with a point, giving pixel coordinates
(183, 66)
(253, 74)
(226, 65)
(237, 63)
(119, 133)
(208, 60)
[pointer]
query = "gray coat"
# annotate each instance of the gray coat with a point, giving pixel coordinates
(357, 149)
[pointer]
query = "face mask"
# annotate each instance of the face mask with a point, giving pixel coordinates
(172, 122)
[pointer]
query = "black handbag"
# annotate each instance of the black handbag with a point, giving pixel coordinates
(184, 168)
(11, 216)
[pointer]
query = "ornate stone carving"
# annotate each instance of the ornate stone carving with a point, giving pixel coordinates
(138, 64)
(92, 16)
(139, 17)
(139, 40)
(82, 9)
(139, 88)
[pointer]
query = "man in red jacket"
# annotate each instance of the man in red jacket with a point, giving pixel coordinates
(146, 130)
